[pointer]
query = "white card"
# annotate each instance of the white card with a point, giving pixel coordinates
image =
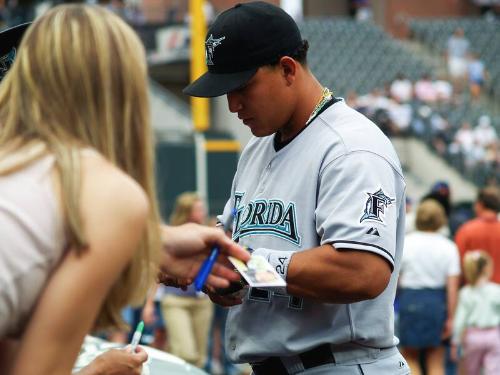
(258, 273)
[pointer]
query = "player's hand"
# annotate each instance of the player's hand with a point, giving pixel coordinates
(187, 246)
(227, 300)
(117, 362)
(176, 282)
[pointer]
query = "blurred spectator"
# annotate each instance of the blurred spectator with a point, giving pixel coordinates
(400, 115)
(477, 75)
(155, 331)
(469, 144)
(440, 192)
(456, 54)
(425, 90)
(489, 9)
(484, 134)
(477, 319)
(217, 360)
(428, 284)
(465, 138)
(188, 313)
(352, 100)
(483, 232)
(401, 89)
(441, 133)
(444, 90)
(360, 10)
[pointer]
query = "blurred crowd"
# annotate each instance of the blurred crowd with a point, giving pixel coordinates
(430, 110)
(448, 302)
(444, 110)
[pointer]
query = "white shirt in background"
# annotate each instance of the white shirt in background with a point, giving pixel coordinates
(402, 90)
(429, 259)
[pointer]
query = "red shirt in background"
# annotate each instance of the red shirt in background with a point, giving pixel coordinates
(481, 234)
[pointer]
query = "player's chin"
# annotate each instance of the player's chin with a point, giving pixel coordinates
(259, 132)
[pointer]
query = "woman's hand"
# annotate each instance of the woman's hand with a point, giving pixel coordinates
(185, 247)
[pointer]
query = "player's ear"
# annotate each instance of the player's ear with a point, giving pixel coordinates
(288, 68)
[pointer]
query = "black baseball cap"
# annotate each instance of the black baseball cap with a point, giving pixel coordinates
(9, 41)
(241, 40)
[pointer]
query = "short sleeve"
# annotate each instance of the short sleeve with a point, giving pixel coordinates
(358, 203)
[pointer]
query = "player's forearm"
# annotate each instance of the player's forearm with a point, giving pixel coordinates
(8, 351)
(332, 276)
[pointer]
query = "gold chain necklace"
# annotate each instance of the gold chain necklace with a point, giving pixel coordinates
(325, 97)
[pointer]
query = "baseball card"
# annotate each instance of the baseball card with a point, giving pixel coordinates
(258, 273)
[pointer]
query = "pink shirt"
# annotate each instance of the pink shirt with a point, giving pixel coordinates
(31, 241)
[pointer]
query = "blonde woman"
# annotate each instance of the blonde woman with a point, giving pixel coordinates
(79, 226)
(188, 314)
(428, 284)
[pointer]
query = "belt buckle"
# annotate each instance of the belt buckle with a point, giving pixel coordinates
(318, 356)
(271, 365)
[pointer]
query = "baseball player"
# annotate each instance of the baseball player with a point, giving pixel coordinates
(319, 192)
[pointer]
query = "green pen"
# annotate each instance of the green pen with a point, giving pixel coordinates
(137, 336)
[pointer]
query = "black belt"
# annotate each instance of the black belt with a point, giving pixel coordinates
(321, 355)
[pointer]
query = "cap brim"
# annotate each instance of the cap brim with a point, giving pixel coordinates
(12, 37)
(210, 84)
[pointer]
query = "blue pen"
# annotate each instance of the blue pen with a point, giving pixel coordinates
(205, 269)
(208, 264)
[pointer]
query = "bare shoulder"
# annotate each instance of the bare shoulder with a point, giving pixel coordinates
(108, 193)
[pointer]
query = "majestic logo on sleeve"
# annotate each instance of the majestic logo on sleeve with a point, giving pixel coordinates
(262, 216)
(375, 206)
(210, 45)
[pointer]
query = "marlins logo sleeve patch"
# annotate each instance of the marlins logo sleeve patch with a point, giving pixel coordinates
(375, 206)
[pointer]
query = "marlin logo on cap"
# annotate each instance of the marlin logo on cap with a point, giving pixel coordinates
(210, 45)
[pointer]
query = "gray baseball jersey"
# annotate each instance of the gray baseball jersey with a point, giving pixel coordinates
(338, 182)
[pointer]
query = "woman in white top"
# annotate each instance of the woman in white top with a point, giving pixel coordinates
(79, 224)
(477, 320)
(428, 285)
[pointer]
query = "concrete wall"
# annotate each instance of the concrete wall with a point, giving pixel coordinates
(426, 168)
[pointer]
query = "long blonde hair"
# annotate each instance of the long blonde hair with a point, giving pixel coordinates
(80, 80)
(475, 265)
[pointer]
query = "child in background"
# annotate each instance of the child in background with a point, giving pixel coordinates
(477, 319)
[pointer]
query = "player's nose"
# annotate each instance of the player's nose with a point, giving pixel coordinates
(234, 102)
